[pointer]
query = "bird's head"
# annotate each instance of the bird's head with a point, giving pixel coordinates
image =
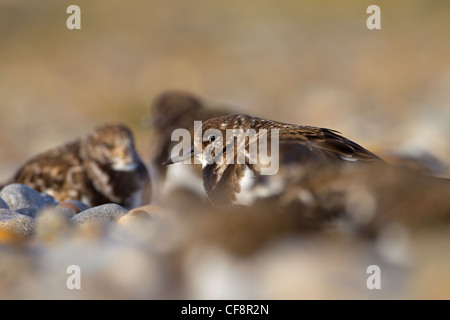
(112, 145)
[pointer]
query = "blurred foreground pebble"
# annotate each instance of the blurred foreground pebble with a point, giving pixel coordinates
(53, 223)
(313, 240)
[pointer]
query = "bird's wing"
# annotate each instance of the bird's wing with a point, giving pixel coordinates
(320, 143)
(329, 142)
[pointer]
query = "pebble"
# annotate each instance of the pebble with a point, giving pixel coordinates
(152, 210)
(134, 217)
(138, 215)
(103, 213)
(53, 223)
(138, 224)
(74, 205)
(25, 200)
(3, 204)
(63, 210)
(143, 227)
(48, 199)
(20, 224)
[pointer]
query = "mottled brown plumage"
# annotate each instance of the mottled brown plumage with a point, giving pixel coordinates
(173, 110)
(299, 146)
(100, 168)
(317, 143)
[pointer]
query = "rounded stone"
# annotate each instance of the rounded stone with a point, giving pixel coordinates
(20, 224)
(25, 200)
(150, 209)
(3, 204)
(135, 216)
(48, 199)
(74, 205)
(139, 226)
(51, 223)
(104, 213)
(62, 210)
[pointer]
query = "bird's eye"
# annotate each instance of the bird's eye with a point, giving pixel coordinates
(212, 138)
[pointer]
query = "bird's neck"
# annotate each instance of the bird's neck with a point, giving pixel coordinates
(98, 174)
(228, 184)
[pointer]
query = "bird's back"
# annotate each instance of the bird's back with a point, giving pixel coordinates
(57, 172)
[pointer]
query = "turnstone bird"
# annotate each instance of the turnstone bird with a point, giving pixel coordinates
(100, 168)
(227, 180)
(173, 110)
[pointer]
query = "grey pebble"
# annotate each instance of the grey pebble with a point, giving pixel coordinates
(16, 222)
(25, 200)
(48, 199)
(62, 210)
(81, 205)
(103, 213)
(3, 204)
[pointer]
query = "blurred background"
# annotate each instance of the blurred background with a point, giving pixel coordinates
(307, 62)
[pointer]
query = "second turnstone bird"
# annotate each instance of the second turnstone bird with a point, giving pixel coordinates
(100, 168)
(232, 173)
(173, 110)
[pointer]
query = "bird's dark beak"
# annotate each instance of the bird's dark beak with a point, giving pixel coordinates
(181, 158)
